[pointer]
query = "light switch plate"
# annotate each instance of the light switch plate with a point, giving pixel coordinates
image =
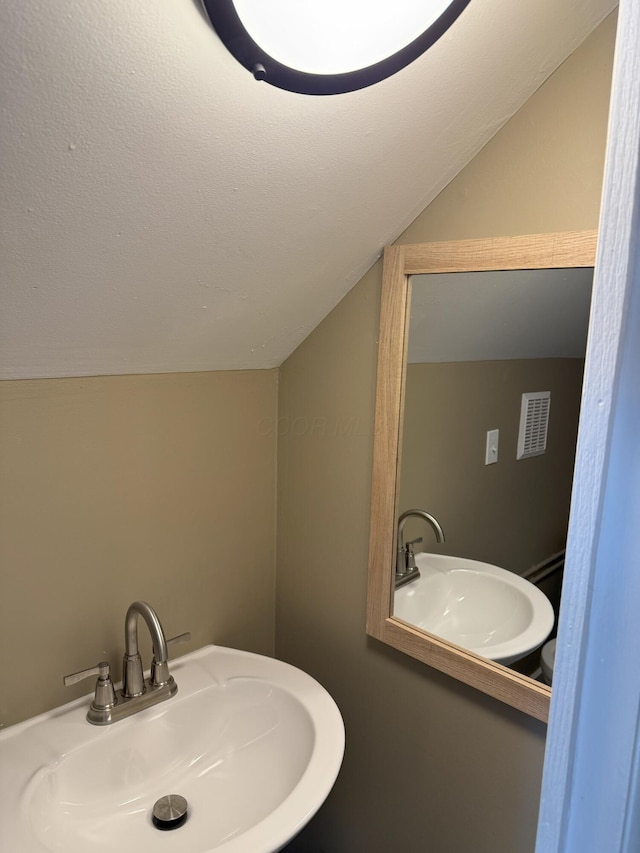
(491, 452)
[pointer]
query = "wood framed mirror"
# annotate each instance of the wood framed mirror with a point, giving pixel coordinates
(559, 251)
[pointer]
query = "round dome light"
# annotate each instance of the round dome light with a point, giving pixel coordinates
(329, 46)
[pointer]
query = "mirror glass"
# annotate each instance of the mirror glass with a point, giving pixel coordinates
(493, 377)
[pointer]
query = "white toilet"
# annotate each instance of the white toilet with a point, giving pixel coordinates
(547, 660)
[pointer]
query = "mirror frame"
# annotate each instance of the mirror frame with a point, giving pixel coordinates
(532, 251)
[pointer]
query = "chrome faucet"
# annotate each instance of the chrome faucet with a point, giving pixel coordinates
(406, 568)
(107, 705)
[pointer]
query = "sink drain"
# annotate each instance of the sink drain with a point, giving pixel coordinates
(169, 812)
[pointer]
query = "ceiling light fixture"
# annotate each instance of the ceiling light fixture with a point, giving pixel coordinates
(326, 47)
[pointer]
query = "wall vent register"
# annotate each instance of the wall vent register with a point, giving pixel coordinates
(534, 424)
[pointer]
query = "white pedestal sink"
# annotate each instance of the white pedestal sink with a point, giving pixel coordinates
(483, 608)
(253, 744)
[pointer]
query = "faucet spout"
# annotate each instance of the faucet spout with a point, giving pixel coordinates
(141, 608)
(419, 513)
(133, 677)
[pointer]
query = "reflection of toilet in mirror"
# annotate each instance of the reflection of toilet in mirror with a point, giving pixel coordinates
(547, 661)
(548, 578)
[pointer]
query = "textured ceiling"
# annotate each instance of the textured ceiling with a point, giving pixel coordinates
(162, 211)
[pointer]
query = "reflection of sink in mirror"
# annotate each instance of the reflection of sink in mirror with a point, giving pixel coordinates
(488, 610)
(253, 744)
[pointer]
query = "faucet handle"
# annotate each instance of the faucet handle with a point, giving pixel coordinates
(105, 696)
(180, 638)
(102, 670)
(413, 542)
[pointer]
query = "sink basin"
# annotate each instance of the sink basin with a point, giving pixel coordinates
(483, 608)
(253, 744)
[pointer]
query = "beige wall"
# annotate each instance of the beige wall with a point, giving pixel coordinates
(430, 764)
(116, 488)
(514, 513)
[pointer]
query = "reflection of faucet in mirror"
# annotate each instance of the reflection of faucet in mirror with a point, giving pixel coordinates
(406, 569)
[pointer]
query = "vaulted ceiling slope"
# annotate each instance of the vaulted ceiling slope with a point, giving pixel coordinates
(163, 211)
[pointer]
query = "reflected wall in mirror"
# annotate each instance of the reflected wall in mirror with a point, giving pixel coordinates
(477, 342)
(430, 448)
